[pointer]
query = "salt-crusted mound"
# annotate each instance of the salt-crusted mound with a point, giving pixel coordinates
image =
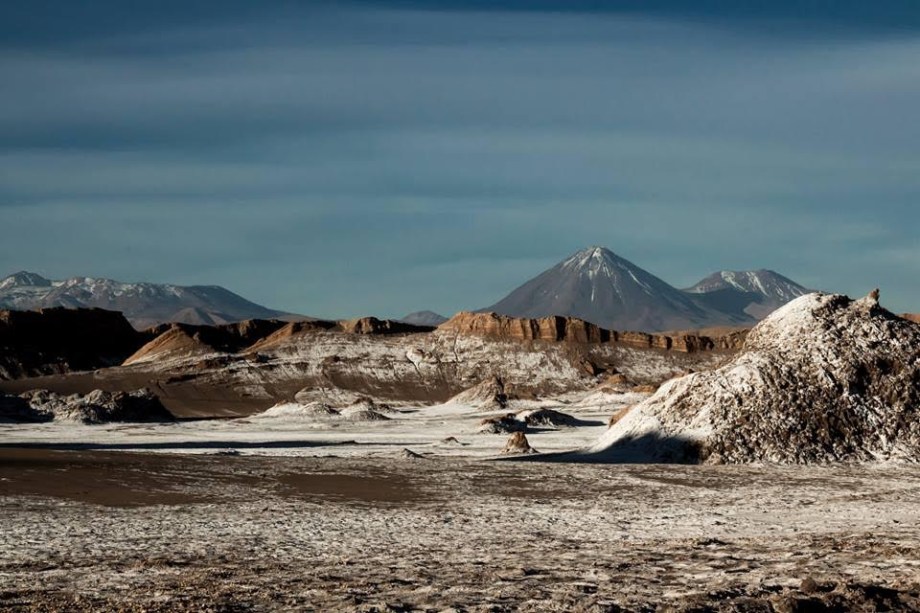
(366, 410)
(363, 410)
(295, 410)
(488, 395)
(96, 407)
(823, 379)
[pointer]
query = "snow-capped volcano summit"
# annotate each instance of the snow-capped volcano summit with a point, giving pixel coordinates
(767, 283)
(754, 292)
(599, 286)
(24, 279)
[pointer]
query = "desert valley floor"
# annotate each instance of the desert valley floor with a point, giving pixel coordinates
(261, 513)
(366, 466)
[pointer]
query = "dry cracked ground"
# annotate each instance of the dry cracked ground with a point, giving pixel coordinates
(158, 532)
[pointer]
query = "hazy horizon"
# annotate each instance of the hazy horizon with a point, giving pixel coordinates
(357, 158)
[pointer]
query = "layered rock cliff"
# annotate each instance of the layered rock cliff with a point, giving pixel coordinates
(556, 329)
(574, 330)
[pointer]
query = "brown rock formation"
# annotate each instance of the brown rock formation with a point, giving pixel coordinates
(292, 329)
(518, 443)
(372, 325)
(489, 395)
(502, 424)
(59, 340)
(572, 330)
(184, 339)
(536, 418)
(556, 329)
(914, 317)
(363, 325)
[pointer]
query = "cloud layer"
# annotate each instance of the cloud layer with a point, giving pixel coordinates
(378, 159)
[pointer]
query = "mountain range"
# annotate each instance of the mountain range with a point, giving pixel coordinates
(599, 286)
(143, 304)
(424, 318)
(593, 284)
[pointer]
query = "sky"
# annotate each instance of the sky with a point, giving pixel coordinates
(341, 159)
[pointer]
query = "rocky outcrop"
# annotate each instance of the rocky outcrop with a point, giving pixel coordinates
(372, 325)
(518, 443)
(572, 330)
(96, 407)
(292, 330)
(823, 379)
(537, 418)
(489, 395)
(555, 329)
(365, 326)
(685, 343)
(58, 340)
(914, 317)
(502, 424)
(172, 340)
(176, 340)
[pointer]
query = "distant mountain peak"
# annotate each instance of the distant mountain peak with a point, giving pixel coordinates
(767, 283)
(24, 278)
(593, 257)
(144, 304)
(424, 318)
(601, 287)
(597, 285)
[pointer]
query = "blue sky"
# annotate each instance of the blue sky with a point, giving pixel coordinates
(342, 159)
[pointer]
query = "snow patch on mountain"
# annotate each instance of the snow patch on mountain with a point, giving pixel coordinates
(144, 304)
(599, 286)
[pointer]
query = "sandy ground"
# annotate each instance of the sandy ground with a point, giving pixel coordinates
(165, 532)
(275, 514)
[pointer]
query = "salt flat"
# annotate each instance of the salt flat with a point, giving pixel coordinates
(421, 429)
(166, 532)
(306, 513)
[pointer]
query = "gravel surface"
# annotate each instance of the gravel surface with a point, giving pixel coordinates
(167, 532)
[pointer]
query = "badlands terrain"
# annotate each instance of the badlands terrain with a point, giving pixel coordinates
(489, 464)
